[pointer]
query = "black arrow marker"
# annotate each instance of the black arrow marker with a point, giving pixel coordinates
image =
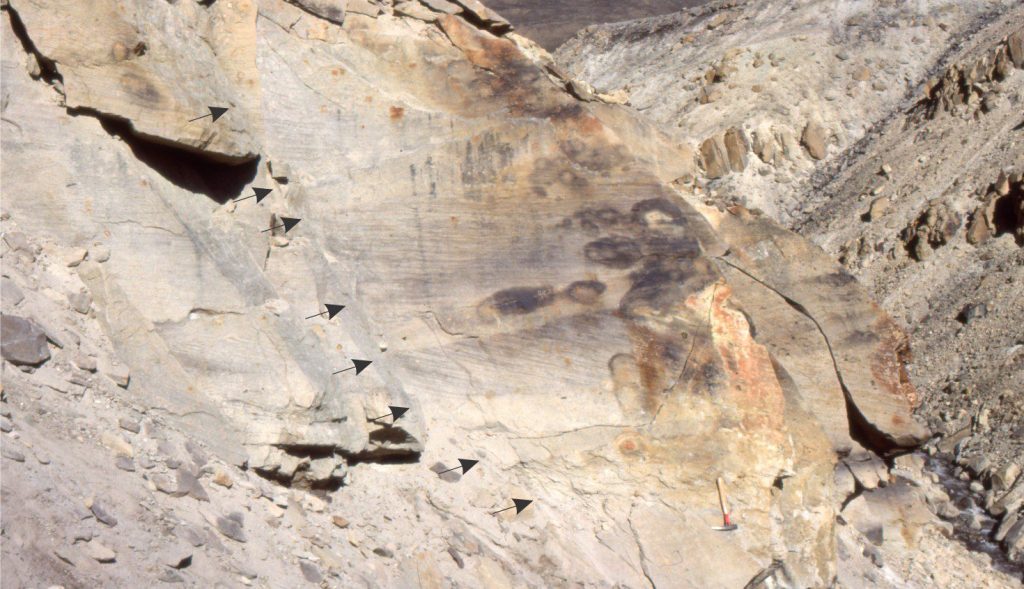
(464, 463)
(396, 412)
(520, 505)
(215, 111)
(261, 193)
(360, 365)
(331, 311)
(286, 222)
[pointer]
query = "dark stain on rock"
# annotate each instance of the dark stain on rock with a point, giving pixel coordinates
(839, 278)
(396, 113)
(334, 14)
(140, 88)
(521, 300)
(595, 219)
(659, 244)
(653, 353)
(643, 212)
(486, 157)
(656, 281)
(614, 252)
(586, 292)
(553, 174)
(861, 337)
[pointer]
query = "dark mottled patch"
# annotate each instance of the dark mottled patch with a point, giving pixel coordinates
(593, 219)
(586, 292)
(861, 337)
(486, 157)
(659, 244)
(521, 300)
(840, 278)
(615, 251)
(140, 88)
(657, 278)
(602, 160)
(642, 210)
(396, 113)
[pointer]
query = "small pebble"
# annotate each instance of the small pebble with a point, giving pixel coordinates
(99, 552)
(129, 425)
(102, 515)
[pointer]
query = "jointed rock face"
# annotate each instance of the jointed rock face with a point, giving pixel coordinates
(514, 259)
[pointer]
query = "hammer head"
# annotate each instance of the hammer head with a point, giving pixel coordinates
(727, 525)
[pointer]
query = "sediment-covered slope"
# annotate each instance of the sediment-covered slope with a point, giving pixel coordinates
(513, 261)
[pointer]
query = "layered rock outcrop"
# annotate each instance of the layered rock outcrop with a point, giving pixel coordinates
(513, 260)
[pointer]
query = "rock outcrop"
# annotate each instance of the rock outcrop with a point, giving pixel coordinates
(889, 134)
(514, 261)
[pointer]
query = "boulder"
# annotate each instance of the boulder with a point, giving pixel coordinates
(22, 341)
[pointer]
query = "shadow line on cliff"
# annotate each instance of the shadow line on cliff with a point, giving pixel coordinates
(188, 170)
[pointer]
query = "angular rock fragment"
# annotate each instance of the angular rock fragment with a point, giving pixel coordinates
(813, 139)
(310, 571)
(102, 514)
(129, 424)
(22, 341)
(189, 484)
(230, 526)
(99, 552)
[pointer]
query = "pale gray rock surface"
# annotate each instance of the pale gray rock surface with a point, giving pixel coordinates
(513, 260)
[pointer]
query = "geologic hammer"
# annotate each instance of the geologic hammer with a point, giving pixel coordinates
(727, 525)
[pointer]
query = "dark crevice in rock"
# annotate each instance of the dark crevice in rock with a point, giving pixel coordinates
(298, 479)
(858, 490)
(388, 445)
(379, 453)
(494, 27)
(861, 429)
(774, 575)
(334, 16)
(385, 456)
(1008, 214)
(48, 68)
(190, 170)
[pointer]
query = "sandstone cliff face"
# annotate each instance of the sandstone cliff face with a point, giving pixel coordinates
(513, 259)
